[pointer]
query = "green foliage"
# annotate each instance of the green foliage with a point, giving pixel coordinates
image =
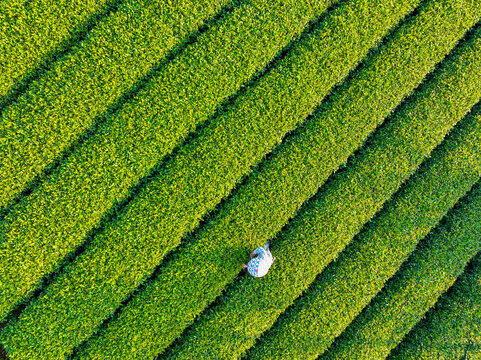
(349, 284)
(259, 209)
(31, 32)
(318, 234)
(102, 170)
(205, 170)
(452, 329)
(99, 79)
(431, 270)
(64, 102)
(59, 214)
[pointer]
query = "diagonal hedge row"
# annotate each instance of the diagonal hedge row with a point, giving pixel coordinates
(453, 328)
(84, 189)
(30, 33)
(109, 162)
(56, 109)
(432, 269)
(195, 277)
(321, 230)
(196, 179)
(347, 285)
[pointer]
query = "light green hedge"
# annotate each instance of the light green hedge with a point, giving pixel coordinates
(42, 124)
(452, 329)
(194, 288)
(57, 216)
(193, 182)
(317, 235)
(31, 32)
(101, 172)
(431, 270)
(359, 273)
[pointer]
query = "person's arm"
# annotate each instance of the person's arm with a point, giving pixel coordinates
(259, 251)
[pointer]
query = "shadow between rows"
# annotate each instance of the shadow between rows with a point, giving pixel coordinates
(428, 162)
(426, 242)
(63, 50)
(308, 204)
(112, 215)
(3, 353)
(191, 237)
(444, 302)
(198, 132)
(116, 212)
(367, 143)
(118, 207)
(101, 120)
(66, 47)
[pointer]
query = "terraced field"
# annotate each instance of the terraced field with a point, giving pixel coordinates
(147, 147)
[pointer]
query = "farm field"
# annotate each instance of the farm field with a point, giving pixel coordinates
(148, 147)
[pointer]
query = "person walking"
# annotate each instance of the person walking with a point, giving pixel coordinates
(259, 266)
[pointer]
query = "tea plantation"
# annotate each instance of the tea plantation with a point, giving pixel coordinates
(147, 147)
